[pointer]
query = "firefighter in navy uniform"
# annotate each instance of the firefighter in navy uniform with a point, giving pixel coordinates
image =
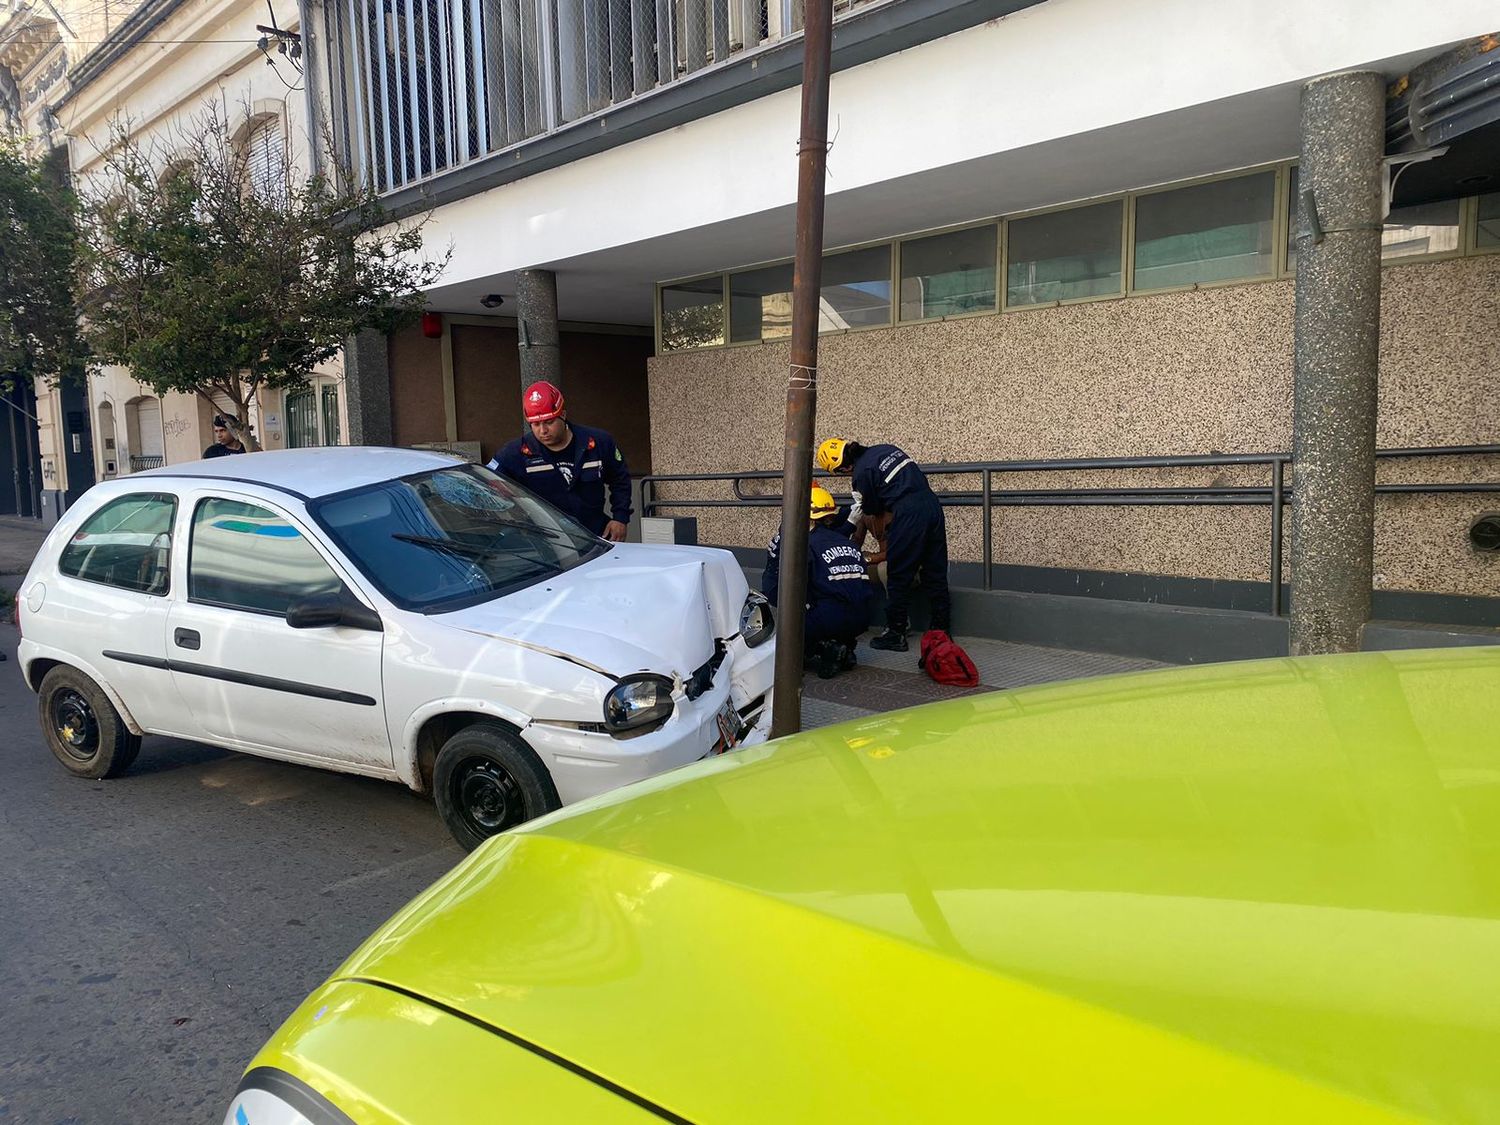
(839, 591)
(575, 468)
(887, 480)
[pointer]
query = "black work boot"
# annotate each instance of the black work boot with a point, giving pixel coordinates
(827, 660)
(892, 640)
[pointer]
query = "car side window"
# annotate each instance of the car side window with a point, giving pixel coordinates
(127, 543)
(247, 557)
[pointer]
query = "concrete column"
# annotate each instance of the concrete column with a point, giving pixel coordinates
(536, 326)
(367, 388)
(1337, 348)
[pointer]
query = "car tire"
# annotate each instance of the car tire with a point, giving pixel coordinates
(486, 780)
(82, 728)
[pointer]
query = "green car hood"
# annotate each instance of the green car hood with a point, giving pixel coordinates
(1211, 893)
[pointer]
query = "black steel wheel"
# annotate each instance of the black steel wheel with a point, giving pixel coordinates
(486, 796)
(486, 779)
(82, 728)
(74, 725)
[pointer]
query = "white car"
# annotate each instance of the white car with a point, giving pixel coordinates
(393, 613)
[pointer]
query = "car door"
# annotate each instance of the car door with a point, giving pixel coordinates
(251, 680)
(114, 585)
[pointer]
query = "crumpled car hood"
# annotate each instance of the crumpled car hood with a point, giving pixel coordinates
(636, 609)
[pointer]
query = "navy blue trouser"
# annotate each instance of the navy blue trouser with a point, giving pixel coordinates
(917, 545)
(834, 620)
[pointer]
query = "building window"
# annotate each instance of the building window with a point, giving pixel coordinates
(1065, 255)
(760, 304)
(1223, 230)
(332, 435)
(949, 274)
(1487, 222)
(312, 415)
(856, 289)
(692, 314)
(855, 293)
(1421, 231)
(265, 158)
(300, 407)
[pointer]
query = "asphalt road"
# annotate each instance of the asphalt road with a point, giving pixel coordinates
(157, 928)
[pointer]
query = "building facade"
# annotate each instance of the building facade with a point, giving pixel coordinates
(1055, 230)
(159, 70)
(45, 436)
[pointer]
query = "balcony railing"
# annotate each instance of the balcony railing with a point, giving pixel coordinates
(421, 87)
(146, 461)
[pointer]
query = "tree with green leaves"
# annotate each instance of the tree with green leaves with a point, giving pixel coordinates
(207, 271)
(39, 337)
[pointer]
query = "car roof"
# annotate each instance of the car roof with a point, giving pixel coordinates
(310, 473)
(1271, 886)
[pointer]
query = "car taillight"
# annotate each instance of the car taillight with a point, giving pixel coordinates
(15, 610)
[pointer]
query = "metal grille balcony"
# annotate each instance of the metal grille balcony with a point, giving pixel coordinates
(420, 87)
(140, 462)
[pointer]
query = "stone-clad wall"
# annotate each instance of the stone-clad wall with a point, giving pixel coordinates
(1176, 373)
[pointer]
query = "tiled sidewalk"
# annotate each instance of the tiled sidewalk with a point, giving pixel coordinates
(885, 681)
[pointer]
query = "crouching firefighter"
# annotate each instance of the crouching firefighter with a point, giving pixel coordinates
(839, 592)
(887, 480)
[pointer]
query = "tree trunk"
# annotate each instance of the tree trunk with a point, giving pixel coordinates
(242, 400)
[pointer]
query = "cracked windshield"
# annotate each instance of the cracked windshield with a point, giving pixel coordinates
(454, 536)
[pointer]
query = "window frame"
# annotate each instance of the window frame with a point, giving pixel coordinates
(1283, 220)
(899, 245)
(723, 277)
(1278, 227)
(260, 502)
(729, 340)
(1126, 227)
(1471, 240)
(176, 504)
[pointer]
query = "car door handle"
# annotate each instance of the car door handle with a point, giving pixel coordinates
(186, 638)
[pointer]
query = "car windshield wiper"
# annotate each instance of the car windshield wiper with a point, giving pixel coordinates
(470, 551)
(452, 546)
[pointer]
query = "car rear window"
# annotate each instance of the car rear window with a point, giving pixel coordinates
(126, 544)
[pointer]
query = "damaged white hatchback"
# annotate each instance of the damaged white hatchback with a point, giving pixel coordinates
(393, 613)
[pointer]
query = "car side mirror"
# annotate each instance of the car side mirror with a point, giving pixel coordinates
(328, 610)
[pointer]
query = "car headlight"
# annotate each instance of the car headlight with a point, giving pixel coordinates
(638, 701)
(757, 623)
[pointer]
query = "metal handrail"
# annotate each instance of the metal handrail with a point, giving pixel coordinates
(1277, 493)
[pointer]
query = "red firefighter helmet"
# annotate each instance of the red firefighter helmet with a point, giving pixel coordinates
(542, 401)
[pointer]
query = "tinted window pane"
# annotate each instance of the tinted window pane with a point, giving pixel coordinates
(760, 304)
(1065, 255)
(248, 557)
(1429, 228)
(127, 543)
(692, 314)
(856, 289)
(948, 274)
(1218, 231)
(1489, 221)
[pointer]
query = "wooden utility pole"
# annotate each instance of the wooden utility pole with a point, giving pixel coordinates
(802, 382)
